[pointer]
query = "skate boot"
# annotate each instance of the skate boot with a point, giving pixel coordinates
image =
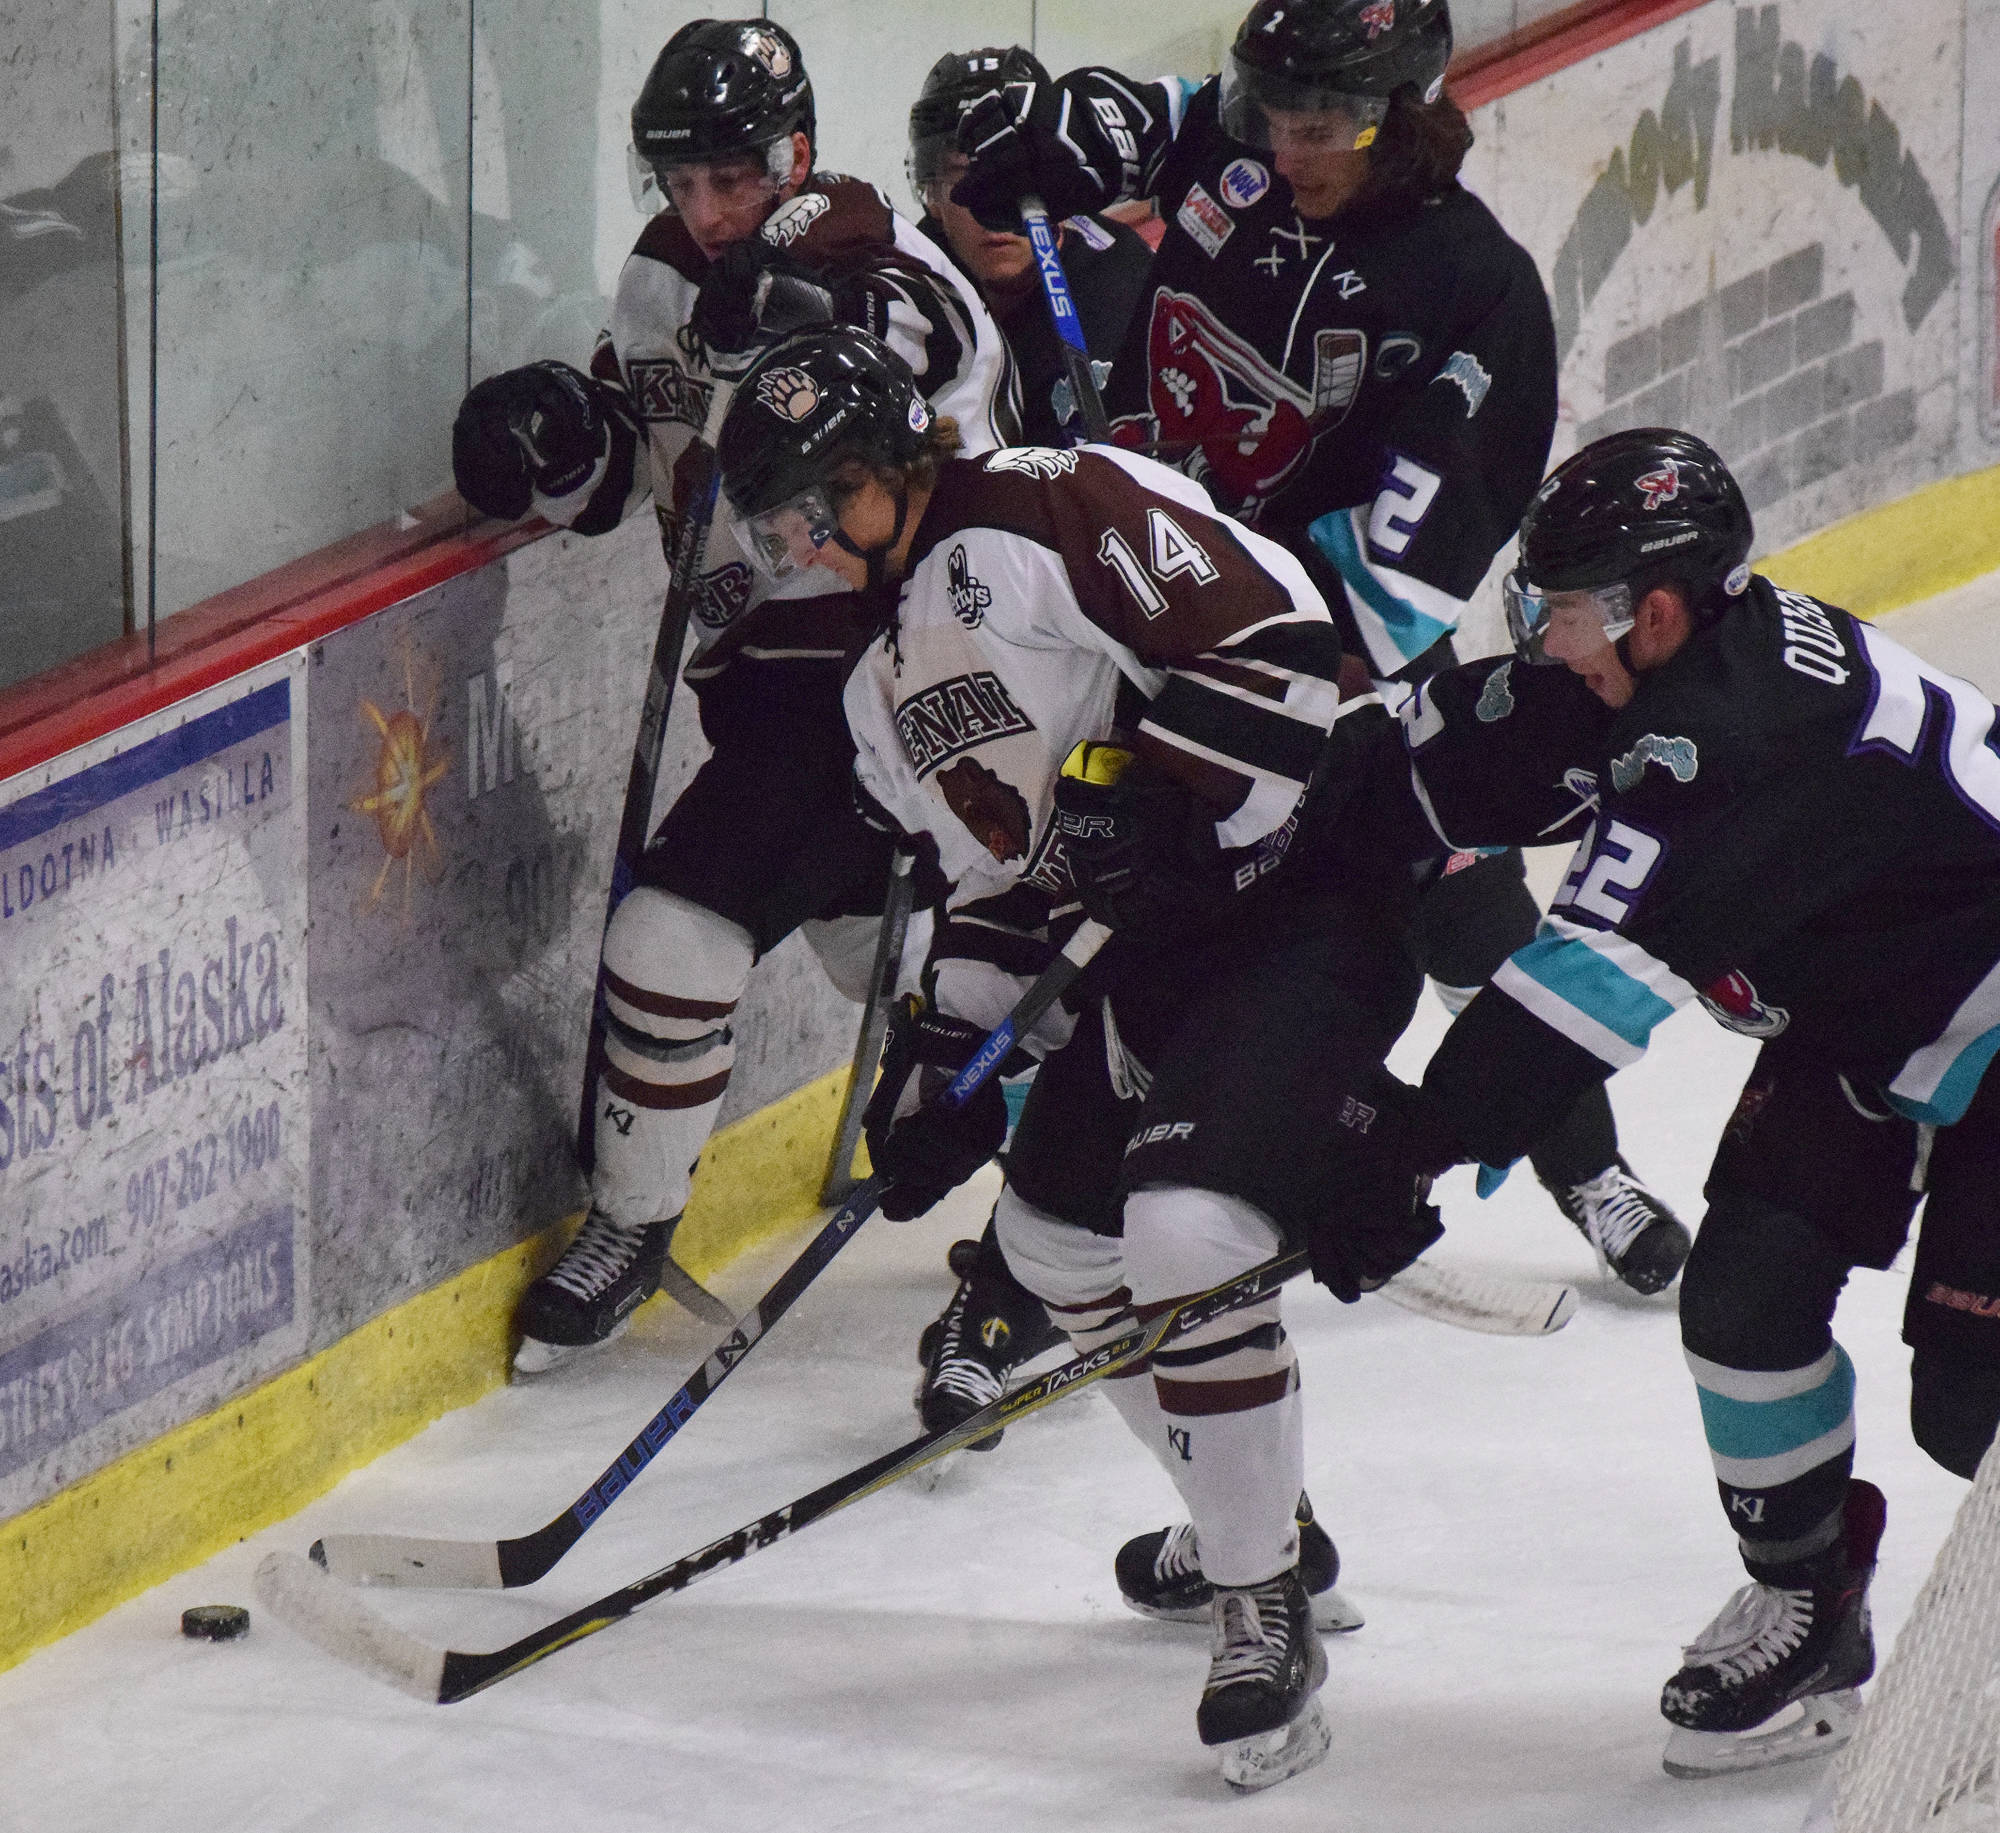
(1636, 1235)
(992, 1325)
(588, 1296)
(1799, 1637)
(1265, 1667)
(1159, 1575)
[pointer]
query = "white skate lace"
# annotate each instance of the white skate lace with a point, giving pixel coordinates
(1616, 1212)
(1178, 1556)
(965, 1377)
(601, 1251)
(1242, 1650)
(1756, 1629)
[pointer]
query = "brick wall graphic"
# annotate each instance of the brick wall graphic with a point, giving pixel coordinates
(1768, 371)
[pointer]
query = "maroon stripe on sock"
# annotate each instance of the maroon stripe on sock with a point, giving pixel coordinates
(1193, 1399)
(1111, 1301)
(663, 1095)
(663, 1005)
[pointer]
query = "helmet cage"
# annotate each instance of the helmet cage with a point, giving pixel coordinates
(1530, 609)
(1250, 93)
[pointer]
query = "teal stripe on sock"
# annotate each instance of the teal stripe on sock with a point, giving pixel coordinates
(1769, 1428)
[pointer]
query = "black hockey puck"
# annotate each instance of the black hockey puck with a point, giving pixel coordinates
(215, 1622)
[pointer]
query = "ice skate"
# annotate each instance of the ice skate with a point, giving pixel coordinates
(1777, 1675)
(989, 1329)
(1260, 1708)
(1159, 1575)
(587, 1298)
(1638, 1237)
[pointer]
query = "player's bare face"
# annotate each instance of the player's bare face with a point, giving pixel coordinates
(997, 261)
(1575, 637)
(727, 200)
(1315, 154)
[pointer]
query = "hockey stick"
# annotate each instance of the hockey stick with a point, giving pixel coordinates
(1063, 316)
(417, 1561)
(636, 820)
(839, 1178)
(309, 1600)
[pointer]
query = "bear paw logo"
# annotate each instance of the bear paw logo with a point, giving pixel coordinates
(770, 51)
(791, 394)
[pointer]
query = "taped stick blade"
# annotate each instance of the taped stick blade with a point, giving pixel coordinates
(312, 1603)
(1497, 1304)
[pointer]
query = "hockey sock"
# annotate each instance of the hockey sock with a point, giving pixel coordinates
(1580, 1146)
(673, 973)
(1228, 1392)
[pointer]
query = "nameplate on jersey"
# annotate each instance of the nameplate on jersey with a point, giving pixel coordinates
(948, 717)
(1205, 221)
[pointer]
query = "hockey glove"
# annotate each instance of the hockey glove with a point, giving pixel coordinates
(752, 294)
(1141, 847)
(1069, 143)
(540, 428)
(923, 1145)
(1379, 1216)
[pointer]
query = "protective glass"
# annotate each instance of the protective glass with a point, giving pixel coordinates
(1533, 615)
(1311, 111)
(655, 181)
(781, 542)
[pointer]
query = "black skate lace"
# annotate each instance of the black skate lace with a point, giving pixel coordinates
(1178, 1556)
(601, 1251)
(1616, 1211)
(1243, 1650)
(1756, 1629)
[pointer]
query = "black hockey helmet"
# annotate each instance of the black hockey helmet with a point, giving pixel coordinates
(956, 81)
(1631, 511)
(723, 88)
(1333, 56)
(806, 408)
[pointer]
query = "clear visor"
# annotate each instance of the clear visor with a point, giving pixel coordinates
(1563, 626)
(783, 542)
(659, 182)
(934, 163)
(1258, 107)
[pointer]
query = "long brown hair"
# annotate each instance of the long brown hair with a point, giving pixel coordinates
(1416, 155)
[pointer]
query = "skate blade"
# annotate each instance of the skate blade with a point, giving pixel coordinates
(931, 1475)
(535, 1358)
(1334, 1613)
(1270, 1757)
(1821, 1725)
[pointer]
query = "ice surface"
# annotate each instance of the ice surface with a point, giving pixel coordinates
(1530, 1526)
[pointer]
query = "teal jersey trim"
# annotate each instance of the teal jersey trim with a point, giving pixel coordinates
(1745, 1429)
(1411, 630)
(1955, 1090)
(1593, 985)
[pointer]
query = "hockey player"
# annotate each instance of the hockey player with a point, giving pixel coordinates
(992, 1324)
(1185, 1122)
(1790, 818)
(764, 840)
(1341, 342)
(1104, 261)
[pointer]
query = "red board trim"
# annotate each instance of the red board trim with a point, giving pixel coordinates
(339, 585)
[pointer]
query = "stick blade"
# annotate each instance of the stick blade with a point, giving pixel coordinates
(410, 1562)
(1497, 1304)
(314, 1604)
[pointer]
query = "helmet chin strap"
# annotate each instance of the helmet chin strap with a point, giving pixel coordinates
(877, 558)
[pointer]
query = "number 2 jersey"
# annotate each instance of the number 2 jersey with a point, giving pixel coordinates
(1378, 387)
(1795, 821)
(1053, 596)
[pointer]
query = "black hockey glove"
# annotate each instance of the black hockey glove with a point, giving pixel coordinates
(917, 1140)
(1070, 143)
(1142, 849)
(1378, 1215)
(752, 294)
(539, 428)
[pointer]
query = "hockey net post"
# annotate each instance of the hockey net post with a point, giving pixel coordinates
(1925, 1756)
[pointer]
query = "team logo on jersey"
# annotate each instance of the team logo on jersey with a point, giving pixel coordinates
(992, 810)
(1395, 354)
(1465, 369)
(769, 50)
(1496, 698)
(722, 596)
(666, 395)
(793, 218)
(1377, 18)
(1205, 221)
(1677, 755)
(948, 717)
(1733, 1001)
(1660, 486)
(969, 598)
(791, 394)
(1033, 461)
(1244, 181)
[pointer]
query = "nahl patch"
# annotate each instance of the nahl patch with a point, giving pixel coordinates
(1676, 754)
(1159, 1135)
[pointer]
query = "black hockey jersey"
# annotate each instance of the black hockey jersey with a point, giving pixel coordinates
(1379, 385)
(1795, 821)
